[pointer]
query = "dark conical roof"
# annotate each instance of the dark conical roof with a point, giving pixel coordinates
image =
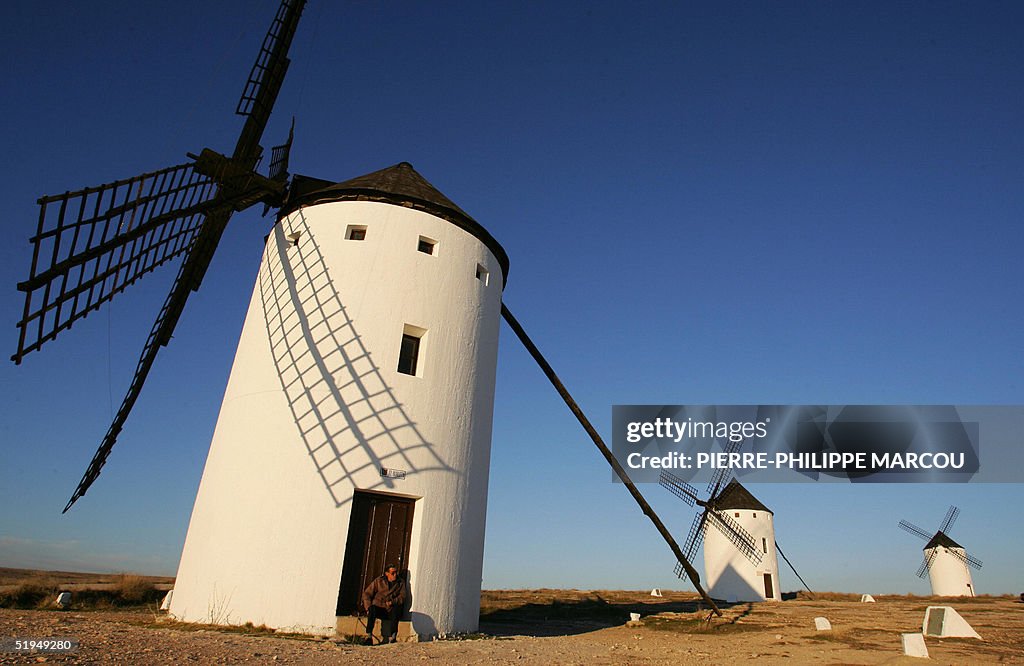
(735, 496)
(400, 185)
(942, 539)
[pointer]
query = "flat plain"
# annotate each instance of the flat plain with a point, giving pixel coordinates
(551, 627)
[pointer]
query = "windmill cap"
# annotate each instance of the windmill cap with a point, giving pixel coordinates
(735, 496)
(942, 539)
(400, 185)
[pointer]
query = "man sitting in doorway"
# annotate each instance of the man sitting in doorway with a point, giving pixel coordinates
(384, 598)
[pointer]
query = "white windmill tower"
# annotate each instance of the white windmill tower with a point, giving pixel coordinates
(356, 424)
(355, 428)
(946, 562)
(740, 561)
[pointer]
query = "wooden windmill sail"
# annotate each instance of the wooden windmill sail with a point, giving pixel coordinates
(92, 244)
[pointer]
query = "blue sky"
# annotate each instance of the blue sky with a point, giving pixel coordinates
(720, 203)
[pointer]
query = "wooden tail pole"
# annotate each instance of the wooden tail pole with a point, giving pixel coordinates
(581, 417)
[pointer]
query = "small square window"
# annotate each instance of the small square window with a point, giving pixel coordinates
(482, 274)
(356, 232)
(737, 514)
(426, 245)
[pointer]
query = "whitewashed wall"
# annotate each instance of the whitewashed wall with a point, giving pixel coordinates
(315, 406)
(948, 575)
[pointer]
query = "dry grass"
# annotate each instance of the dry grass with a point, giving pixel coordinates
(695, 624)
(133, 589)
(247, 629)
(803, 595)
(29, 595)
(70, 579)
(38, 591)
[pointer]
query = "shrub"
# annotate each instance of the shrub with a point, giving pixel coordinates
(131, 590)
(28, 595)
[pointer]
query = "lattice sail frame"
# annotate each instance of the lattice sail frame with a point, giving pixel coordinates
(91, 244)
(269, 70)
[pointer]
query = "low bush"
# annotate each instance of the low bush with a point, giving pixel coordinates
(28, 595)
(127, 591)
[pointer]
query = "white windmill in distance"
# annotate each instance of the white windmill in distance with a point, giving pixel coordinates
(946, 562)
(739, 553)
(740, 561)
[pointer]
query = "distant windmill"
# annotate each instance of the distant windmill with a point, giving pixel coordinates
(738, 534)
(946, 562)
(356, 424)
(736, 529)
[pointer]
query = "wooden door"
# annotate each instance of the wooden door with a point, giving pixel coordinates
(379, 531)
(769, 592)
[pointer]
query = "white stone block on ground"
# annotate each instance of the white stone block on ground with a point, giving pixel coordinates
(945, 621)
(166, 603)
(822, 624)
(63, 600)
(867, 598)
(656, 592)
(913, 645)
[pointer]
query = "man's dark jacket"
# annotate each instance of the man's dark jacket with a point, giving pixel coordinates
(384, 594)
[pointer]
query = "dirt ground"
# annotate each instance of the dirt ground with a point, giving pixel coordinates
(561, 627)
